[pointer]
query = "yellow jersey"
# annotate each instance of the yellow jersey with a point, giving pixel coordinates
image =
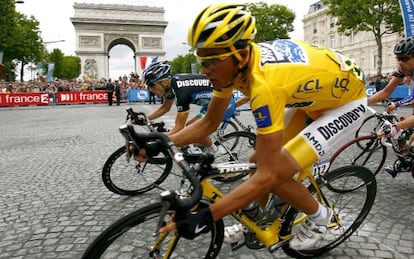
(290, 73)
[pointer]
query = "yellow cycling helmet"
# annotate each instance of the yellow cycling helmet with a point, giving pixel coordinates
(221, 26)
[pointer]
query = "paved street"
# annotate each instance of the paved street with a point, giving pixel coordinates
(53, 202)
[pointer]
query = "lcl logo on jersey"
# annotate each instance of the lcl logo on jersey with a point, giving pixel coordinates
(262, 117)
(339, 87)
(308, 89)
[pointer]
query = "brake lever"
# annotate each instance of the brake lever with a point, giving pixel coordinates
(166, 198)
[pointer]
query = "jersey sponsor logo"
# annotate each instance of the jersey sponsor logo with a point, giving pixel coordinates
(202, 95)
(193, 82)
(262, 117)
(341, 123)
(308, 89)
(317, 146)
(339, 87)
(299, 104)
(282, 51)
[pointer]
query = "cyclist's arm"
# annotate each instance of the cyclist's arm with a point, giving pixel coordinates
(406, 124)
(161, 110)
(405, 101)
(180, 121)
(205, 126)
(386, 92)
(242, 100)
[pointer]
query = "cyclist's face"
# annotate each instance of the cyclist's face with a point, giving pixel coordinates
(157, 89)
(406, 62)
(218, 65)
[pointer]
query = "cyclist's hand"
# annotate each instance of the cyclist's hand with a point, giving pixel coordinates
(193, 224)
(394, 131)
(391, 106)
(141, 155)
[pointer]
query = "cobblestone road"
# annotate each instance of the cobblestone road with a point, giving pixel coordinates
(53, 202)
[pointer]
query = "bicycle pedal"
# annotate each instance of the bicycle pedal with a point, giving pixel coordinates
(279, 245)
(252, 242)
(237, 245)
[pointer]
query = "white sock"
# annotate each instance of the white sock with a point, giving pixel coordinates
(212, 149)
(320, 217)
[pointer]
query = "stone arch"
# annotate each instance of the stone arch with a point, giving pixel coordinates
(100, 27)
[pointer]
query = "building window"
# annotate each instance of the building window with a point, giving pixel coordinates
(332, 41)
(315, 27)
(375, 61)
(341, 40)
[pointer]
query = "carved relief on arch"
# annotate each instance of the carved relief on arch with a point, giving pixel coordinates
(151, 43)
(109, 38)
(89, 41)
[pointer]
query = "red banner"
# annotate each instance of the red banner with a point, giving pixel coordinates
(14, 99)
(24, 99)
(82, 97)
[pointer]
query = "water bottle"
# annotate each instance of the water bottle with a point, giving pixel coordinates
(254, 211)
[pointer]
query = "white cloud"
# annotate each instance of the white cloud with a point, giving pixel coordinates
(54, 17)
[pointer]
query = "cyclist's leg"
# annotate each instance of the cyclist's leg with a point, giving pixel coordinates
(327, 131)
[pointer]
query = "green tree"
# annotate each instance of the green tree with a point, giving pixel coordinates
(272, 21)
(56, 57)
(183, 64)
(29, 47)
(377, 16)
(71, 67)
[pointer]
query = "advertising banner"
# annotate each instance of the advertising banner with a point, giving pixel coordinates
(407, 10)
(82, 97)
(24, 99)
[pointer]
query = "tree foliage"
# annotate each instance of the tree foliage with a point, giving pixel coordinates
(71, 67)
(20, 38)
(377, 16)
(184, 64)
(272, 21)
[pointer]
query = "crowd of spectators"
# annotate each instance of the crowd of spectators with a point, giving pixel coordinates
(60, 85)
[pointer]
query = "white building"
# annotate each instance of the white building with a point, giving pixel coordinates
(319, 28)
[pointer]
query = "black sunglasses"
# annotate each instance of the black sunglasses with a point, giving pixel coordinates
(403, 58)
(151, 84)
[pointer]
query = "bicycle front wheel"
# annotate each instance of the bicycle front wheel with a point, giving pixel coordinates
(133, 237)
(365, 151)
(350, 208)
(130, 177)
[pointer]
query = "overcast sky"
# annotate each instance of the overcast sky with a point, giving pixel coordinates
(54, 17)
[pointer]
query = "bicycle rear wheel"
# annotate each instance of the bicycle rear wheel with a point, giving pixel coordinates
(368, 126)
(350, 208)
(235, 147)
(365, 151)
(130, 177)
(133, 237)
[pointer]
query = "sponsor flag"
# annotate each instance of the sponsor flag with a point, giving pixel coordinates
(407, 10)
(50, 68)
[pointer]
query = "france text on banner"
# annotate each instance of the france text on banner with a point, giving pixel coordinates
(407, 10)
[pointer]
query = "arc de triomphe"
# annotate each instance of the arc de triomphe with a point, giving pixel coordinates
(100, 27)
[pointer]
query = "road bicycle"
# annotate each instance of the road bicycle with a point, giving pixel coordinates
(136, 234)
(371, 150)
(233, 123)
(375, 121)
(124, 175)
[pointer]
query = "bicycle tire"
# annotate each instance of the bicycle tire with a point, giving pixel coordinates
(368, 126)
(132, 177)
(132, 237)
(350, 209)
(227, 127)
(235, 147)
(365, 151)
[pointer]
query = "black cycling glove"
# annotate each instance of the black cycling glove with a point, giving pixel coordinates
(195, 223)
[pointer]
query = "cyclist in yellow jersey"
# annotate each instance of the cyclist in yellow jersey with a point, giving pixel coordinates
(287, 83)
